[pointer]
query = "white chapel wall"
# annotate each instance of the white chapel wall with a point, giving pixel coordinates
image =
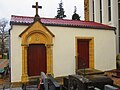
(16, 53)
(64, 50)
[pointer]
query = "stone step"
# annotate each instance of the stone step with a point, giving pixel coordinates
(19, 88)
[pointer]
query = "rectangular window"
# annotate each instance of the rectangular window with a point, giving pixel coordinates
(93, 10)
(119, 21)
(119, 10)
(119, 27)
(119, 15)
(100, 11)
(109, 10)
(119, 44)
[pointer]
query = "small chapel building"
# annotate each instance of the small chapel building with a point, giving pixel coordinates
(59, 46)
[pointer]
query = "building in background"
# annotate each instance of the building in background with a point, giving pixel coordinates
(106, 12)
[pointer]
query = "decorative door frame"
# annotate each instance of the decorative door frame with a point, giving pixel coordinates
(36, 37)
(91, 51)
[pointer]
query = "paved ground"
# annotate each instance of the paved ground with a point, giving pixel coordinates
(3, 63)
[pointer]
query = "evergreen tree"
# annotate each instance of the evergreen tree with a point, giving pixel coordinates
(75, 16)
(60, 11)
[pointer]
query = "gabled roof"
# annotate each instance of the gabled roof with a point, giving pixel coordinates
(45, 28)
(24, 20)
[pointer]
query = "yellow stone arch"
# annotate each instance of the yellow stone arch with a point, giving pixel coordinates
(36, 34)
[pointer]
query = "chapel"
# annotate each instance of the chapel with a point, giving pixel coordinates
(58, 46)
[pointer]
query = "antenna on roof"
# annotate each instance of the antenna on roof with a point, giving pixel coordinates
(75, 9)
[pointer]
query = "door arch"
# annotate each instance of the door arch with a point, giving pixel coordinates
(36, 37)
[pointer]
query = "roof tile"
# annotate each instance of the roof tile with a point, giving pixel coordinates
(60, 22)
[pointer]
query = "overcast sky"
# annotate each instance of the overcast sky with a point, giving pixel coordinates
(49, 8)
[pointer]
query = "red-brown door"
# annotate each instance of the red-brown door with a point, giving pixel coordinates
(83, 53)
(36, 59)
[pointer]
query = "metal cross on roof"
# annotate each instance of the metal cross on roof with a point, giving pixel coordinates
(37, 7)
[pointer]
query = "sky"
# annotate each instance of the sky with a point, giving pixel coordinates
(49, 8)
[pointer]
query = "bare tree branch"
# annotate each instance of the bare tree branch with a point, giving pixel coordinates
(3, 34)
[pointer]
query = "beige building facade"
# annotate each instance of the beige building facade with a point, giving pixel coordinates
(62, 47)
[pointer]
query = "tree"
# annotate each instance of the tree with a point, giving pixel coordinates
(3, 35)
(60, 11)
(75, 16)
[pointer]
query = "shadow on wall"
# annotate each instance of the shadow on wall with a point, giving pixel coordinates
(118, 61)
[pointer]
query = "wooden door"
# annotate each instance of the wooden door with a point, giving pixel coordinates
(83, 53)
(36, 59)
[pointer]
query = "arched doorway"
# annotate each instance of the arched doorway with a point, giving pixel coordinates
(33, 36)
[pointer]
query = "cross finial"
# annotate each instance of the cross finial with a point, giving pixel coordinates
(37, 7)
